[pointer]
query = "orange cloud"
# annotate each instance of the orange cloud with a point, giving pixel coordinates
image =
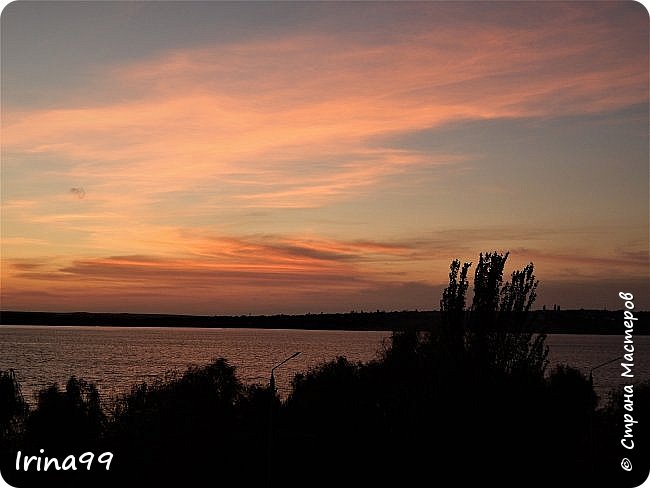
(229, 272)
(264, 110)
(223, 272)
(184, 140)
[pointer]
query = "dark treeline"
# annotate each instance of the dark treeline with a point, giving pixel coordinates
(548, 321)
(469, 400)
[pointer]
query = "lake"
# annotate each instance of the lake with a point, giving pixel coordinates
(115, 358)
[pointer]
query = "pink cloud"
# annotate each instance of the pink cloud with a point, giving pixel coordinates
(297, 269)
(293, 123)
(244, 110)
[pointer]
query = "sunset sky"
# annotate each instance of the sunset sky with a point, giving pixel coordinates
(235, 158)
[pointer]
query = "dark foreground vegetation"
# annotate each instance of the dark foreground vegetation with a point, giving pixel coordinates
(469, 403)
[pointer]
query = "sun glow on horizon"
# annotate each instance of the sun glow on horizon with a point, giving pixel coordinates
(316, 168)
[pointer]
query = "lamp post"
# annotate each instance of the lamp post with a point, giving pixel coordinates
(591, 371)
(272, 391)
(272, 380)
(591, 416)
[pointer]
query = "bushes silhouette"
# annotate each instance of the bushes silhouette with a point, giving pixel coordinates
(14, 409)
(467, 401)
(345, 423)
(66, 421)
(13, 413)
(187, 428)
(608, 430)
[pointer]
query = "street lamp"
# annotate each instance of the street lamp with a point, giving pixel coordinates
(272, 380)
(591, 415)
(591, 371)
(272, 391)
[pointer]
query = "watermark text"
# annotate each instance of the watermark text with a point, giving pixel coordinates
(627, 440)
(38, 463)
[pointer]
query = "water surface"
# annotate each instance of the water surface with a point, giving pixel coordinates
(115, 358)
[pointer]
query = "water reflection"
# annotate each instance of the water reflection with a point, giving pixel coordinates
(116, 358)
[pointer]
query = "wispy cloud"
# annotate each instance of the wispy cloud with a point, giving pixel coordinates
(274, 267)
(139, 192)
(263, 111)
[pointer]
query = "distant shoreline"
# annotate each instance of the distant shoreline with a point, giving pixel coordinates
(547, 321)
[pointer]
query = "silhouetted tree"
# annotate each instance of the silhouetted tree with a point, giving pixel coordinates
(452, 306)
(494, 332)
(518, 349)
(482, 326)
